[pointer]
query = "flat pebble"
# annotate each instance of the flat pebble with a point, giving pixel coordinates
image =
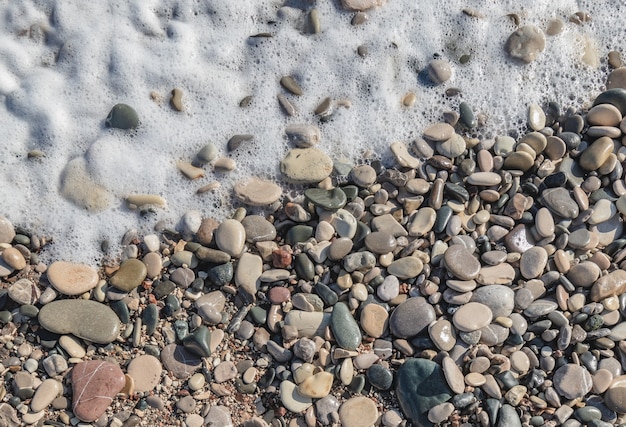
(145, 371)
(472, 317)
(357, 412)
(257, 192)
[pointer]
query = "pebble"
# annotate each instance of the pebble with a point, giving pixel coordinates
(374, 320)
(526, 43)
(472, 317)
(24, 291)
(7, 231)
(439, 71)
(533, 262)
(130, 275)
(420, 386)
(572, 381)
(291, 398)
(345, 328)
(316, 386)
(257, 192)
(72, 279)
(306, 165)
(47, 391)
(615, 396)
(230, 237)
(461, 263)
(122, 116)
(145, 371)
(411, 317)
(357, 412)
(85, 319)
(94, 385)
(179, 361)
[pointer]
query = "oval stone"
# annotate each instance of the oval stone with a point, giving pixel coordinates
(72, 279)
(85, 319)
(461, 263)
(257, 192)
(533, 262)
(411, 317)
(596, 154)
(345, 329)
(406, 268)
(230, 237)
(306, 165)
(130, 275)
(472, 317)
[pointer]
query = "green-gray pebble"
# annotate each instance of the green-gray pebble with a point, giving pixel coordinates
(328, 199)
(345, 329)
(466, 116)
(121, 309)
(122, 116)
(130, 275)
(89, 320)
(150, 317)
(305, 267)
(198, 341)
(298, 234)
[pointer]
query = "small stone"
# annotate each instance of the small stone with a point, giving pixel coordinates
(225, 371)
(230, 237)
(306, 165)
(47, 391)
(357, 412)
(94, 385)
(461, 263)
(131, 274)
(411, 317)
(72, 279)
(572, 381)
(533, 262)
(257, 192)
(316, 386)
(7, 232)
(439, 71)
(374, 320)
(345, 328)
(24, 291)
(179, 361)
(89, 320)
(536, 118)
(361, 5)
(379, 377)
(472, 317)
(292, 399)
(145, 370)
(122, 116)
(526, 43)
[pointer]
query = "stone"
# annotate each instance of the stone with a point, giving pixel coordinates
(257, 192)
(258, 229)
(439, 71)
(47, 391)
(316, 386)
(452, 147)
(615, 396)
(439, 132)
(198, 341)
(374, 320)
(89, 320)
(596, 154)
(122, 116)
(292, 399)
(411, 317)
(499, 299)
(145, 370)
(472, 317)
(572, 381)
(225, 371)
(180, 361)
(218, 416)
(7, 232)
(461, 263)
(303, 136)
(610, 285)
(604, 114)
(484, 179)
(94, 385)
(526, 43)
(72, 279)
(306, 165)
(406, 268)
(533, 262)
(308, 324)
(325, 408)
(131, 274)
(584, 274)
(420, 387)
(78, 187)
(358, 411)
(247, 274)
(345, 328)
(559, 201)
(14, 258)
(442, 334)
(24, 291)
(379, 377)
(519, 160)
(230, 237)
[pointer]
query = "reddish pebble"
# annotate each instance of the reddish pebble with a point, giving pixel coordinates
(281, 258)
(278, 295)
(94, 385)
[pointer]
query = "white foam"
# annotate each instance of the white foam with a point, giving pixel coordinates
(56, 91)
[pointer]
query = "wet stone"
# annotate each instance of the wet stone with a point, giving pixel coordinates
(85, 319)
(472, 317)
(345, 328)
(572, 381)
(130, 275)
(526, 43)
(411, 317)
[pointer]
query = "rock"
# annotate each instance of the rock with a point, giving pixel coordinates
(374, 320)
(439, 71)
(406, 268)
(316, 386)
(303, 136)
(615, 396)
(7, 232)
(230, 237)
(249, 270)
(526, 43)
(131, 274)
(292, 399)
(572, 381)
(78, 187)
(258, 229)
(257, 192)
(225, 371)
(379, 377)
(145, 371)
(24, 291)
(306, 165)
(499, 299)
(198, 341)
(85, 319)
(411, 317)
(72, 279)
(596, 154)
(442, 334)
(533, 262)
(94, 385)
(47, 391)
(612, 284)
(472, 317)
(345, 329)
(359, 5)
(218, 416)
(308, 324)
(122, 116)
(420, 387)
(358, 412)
(179, 361)
(461, 263)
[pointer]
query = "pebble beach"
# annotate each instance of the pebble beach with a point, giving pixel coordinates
(311, 214)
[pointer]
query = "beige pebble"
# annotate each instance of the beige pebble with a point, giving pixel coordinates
(224, 164)
(72, 279)
(14, 258)
(475, 379)
(257, 192)
(472, 317)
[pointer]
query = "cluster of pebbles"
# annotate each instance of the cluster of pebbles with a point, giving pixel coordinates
(473, 282)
